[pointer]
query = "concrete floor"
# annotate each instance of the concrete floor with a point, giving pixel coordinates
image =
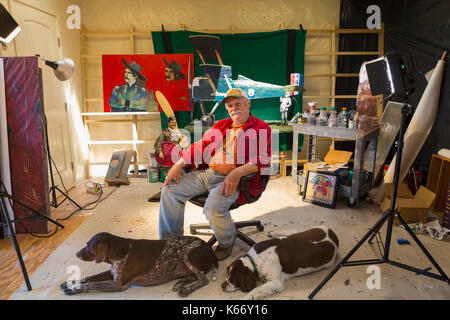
(126, 213)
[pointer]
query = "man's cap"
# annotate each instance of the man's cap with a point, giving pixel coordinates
(235, 93)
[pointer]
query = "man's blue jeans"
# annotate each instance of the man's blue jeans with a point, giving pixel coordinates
(216, 208)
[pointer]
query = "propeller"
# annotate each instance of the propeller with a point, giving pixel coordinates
(165, 106)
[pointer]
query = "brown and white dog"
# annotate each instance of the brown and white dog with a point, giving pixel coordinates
(145, 263)
(275, 260)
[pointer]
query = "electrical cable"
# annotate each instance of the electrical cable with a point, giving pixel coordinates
(96, 202)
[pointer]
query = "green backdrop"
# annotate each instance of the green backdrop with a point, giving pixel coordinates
(266, 56)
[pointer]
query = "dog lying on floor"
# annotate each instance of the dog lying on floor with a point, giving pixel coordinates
(276, 260)
(145, 263)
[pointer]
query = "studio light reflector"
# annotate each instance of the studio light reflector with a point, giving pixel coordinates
(391, 75)
(9, 28)
(63, 68)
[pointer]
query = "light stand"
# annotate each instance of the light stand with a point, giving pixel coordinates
(53, 202)
(8, 228)
(389, 216)
(63, 70)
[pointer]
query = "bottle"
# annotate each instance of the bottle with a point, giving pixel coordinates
(333, 120)
(343, 118)
(312, 119)
(322, 120)
(351, 119)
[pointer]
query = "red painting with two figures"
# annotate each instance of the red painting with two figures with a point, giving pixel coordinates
(130, 81)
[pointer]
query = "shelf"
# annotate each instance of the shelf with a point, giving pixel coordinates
(332, 132)
(105, 114)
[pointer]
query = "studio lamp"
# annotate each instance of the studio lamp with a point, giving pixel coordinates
(9, 28)
(63, 68)
(392, 75)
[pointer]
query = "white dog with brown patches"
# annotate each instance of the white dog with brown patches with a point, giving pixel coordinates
(276, 260)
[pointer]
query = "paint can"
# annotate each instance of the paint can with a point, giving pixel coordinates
(153, 174)
(163, 173)
(153, 162)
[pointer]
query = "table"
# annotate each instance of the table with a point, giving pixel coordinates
(359, 136)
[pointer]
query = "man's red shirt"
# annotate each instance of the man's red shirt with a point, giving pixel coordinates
(254, 145)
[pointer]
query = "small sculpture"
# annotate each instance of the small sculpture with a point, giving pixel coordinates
(285, 104)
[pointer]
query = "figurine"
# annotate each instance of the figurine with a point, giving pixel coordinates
(166, 142)
(285, 103)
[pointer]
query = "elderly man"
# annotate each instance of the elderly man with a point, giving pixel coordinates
(232, 148)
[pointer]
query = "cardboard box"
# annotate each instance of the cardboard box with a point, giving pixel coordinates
(334, 161)
(412, 208)
(337, 157)
(323, 166)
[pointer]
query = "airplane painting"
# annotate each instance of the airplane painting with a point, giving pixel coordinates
(217, 79)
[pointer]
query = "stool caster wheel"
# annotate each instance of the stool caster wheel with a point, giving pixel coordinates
(353, 203)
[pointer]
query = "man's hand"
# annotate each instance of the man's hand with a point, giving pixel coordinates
(161, 155)
(174, 173)
(234, 177)
(231, 182)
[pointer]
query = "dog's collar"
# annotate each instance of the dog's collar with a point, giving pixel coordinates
(255, 270)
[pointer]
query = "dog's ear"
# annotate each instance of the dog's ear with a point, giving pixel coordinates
(100, 252)
(248, 280)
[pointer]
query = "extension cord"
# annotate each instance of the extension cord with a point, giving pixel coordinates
(92, 191)
(92, 187)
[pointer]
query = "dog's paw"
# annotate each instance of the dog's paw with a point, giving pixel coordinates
(249, 296)
(184, 292)
(70, 287)
(63, 285)
(70, 291)
(178, 285)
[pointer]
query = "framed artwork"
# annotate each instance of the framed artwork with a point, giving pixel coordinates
(321, 188)
(130, 81)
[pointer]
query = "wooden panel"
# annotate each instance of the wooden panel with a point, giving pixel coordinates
(28, 166)
(437, 182)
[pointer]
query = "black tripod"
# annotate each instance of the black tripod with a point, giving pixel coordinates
(8, 228)
(54, 203)
(389, 215)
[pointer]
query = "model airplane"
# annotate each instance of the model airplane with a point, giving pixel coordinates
(218, 78)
